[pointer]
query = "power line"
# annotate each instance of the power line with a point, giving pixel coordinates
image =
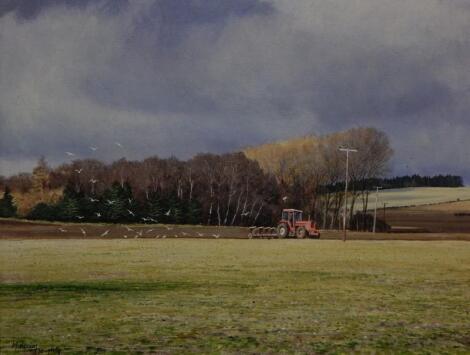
(375, 208)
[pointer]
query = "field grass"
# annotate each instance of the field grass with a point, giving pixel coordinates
(417, 196)
(213, 296)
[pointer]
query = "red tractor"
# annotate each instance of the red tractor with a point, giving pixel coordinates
(292, 225)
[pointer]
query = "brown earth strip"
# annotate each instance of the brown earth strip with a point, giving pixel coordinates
(16, 229)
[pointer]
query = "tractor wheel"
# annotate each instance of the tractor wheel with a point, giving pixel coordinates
(301, 233)
(282, 230)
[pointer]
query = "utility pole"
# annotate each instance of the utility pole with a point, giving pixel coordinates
(384, 211)
(347, 150)
(375, 207)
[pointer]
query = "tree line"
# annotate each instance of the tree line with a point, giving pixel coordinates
(243, 188)
(399, 182)
(211, 189)
(310, 171)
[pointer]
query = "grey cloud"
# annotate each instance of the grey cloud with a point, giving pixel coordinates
(174, 77)
(30, 9)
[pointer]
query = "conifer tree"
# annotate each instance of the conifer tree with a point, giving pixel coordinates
(193, 212)
(175, 207)
(68, 208)
(118, 204)
(154, 206)
(7, 207)
(43, 211)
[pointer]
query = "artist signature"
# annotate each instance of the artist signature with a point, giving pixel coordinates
(34, 348)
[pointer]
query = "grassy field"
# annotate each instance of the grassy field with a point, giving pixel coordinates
(188, 295)
(417, 196)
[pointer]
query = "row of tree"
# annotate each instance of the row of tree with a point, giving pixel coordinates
(246, 188)
(117, 204)
(310, 171)
(399, 182)
(209, 189)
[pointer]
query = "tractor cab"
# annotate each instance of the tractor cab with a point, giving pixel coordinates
(291, 216)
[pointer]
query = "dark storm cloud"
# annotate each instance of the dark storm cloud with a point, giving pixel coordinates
(177, 77)
(178, 13)
(29, 9)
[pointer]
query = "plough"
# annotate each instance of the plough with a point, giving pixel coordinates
(262, 232)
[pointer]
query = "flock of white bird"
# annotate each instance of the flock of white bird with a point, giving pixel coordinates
(137, 233)
(93, 181)
(131, 232)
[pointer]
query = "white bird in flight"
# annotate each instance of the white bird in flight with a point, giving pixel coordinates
(93, 181)
(79, 170)
(129, 229)
(62, 230)
(118, 144)
(80, 217)
(93, 199)
(284, 198)
(70, 154)
(93, 148)
(105, 233)
(83, 232)
(131, 213)
(110, 202)
(200, 234)
(98, 214)
(168, 212)
(216, 235)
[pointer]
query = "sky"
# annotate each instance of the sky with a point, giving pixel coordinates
(174, 77)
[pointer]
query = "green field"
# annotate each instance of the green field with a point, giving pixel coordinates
(213, 296)
(416, 196)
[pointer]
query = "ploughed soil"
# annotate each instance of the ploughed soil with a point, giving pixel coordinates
(453, 217)
(18, 229)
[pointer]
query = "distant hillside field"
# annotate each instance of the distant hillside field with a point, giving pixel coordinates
(430, 209)
(417, 196)
(450, 217)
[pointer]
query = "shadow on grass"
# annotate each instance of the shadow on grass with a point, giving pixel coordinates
(92, 287)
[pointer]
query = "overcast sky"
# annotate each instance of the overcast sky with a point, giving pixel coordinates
(171, 77)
